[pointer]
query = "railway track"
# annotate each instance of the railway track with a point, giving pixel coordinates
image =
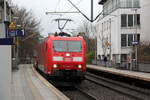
(127, 90)
(78, 94)
(87, 94)
(122, 88)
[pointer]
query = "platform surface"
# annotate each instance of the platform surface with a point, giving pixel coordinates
(27, 86)
(126, 73)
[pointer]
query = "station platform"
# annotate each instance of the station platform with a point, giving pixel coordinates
(27, 84)
(125, 73)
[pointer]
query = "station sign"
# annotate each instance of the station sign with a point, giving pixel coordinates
(16, 33)
(107, 43)
(12, 26)
(20, 32)
(135, 43)
(11, 33)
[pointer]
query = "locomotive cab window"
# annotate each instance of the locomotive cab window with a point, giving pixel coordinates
(67, 46)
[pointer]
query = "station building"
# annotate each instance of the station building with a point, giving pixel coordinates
(122, 24)
(5, 17)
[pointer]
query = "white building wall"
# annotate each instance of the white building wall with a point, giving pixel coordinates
(134, 30)
(116, 32)
(111, 32)
(145, 20)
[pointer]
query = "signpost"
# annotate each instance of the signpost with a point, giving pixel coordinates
(13, 31)
(20, 32)
(16, 33)
(12, 26)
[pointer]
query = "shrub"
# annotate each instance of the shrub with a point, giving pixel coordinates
(90, 56)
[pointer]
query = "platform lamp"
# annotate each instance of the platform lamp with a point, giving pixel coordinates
(135, 42)
(16, 48)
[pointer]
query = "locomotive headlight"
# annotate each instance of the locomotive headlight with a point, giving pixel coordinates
(67, 54)
(57, 58)
(79, 66)
(55, 66)
(77, 59)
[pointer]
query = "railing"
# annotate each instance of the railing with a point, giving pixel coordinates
(142, 66)
(121, 4)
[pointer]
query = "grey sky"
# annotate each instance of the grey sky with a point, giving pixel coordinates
(39, 7)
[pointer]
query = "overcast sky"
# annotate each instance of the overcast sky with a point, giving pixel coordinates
(39, 7)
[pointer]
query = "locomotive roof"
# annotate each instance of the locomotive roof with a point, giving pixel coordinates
(65, 38)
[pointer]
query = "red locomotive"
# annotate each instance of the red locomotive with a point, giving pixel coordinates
(62, 57)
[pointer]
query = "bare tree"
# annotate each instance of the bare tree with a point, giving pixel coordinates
(88, 31)
(144, 52)
(104, 40)
(31, 26)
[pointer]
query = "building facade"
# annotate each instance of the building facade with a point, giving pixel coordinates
(145, 23)
(118, 28)
(5, 17)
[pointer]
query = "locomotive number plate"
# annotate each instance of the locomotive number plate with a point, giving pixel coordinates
(68, 59)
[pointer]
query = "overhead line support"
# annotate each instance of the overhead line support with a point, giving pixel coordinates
(79, 10)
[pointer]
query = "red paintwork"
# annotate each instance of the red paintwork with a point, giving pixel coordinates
(46, 53)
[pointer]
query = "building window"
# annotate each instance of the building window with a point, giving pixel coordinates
(130, 20)
(130, 39)
(136, 3)
(123, 20)
(132, 4)
(129, 3)
(137, 20)
(123, 57)
(137, 38)
(123, 40)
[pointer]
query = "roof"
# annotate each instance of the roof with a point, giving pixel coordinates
(101, 2)
(64, 38)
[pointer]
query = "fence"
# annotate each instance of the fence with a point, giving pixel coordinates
(144, 67)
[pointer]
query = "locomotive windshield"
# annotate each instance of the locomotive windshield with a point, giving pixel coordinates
(67, 46)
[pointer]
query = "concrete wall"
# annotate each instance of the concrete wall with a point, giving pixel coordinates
(5, 72)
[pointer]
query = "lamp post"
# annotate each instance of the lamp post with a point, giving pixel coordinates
(135, 42)
(5, 11)
(16, 48)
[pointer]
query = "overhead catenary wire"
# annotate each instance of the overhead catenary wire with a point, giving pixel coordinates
(91, 20)
(72, 8)
(57, 5)
(75, 4)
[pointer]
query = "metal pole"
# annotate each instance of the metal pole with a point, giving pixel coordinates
(17, 54)
(96, 50)
(91, 10)
(5, 14)
(136, 38)
(5, 18)
(10, 16)
(110, 40)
